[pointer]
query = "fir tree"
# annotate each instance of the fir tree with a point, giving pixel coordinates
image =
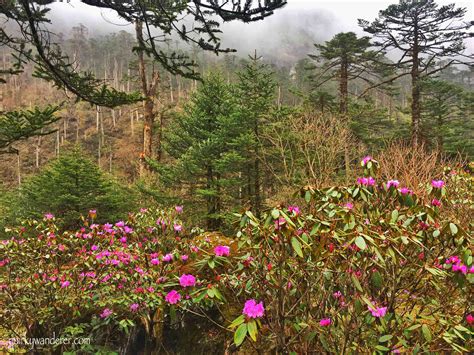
(69, 187)
(423, 34)
(205, 143)
(256, 92)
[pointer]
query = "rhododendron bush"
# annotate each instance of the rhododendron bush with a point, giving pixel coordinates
(351, 269)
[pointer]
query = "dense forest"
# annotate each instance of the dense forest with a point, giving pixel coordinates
(315, 190)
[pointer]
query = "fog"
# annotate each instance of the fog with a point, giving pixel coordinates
(284, 37)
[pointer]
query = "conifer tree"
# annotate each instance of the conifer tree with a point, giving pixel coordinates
(69, 187)
(205, 143)
(423, 33)
(256, 93)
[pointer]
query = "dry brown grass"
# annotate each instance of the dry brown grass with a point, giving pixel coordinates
(414, 167)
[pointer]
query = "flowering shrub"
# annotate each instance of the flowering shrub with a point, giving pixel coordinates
(367, 267)
(363, 268)
(110, 277)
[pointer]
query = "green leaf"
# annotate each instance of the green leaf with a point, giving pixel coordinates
(394, 218)
(413, 327)
(240, 333)
(453, 228)
(360, 242)
(252, 328)
(237, 321)
(426, 332)
(295, 243)
(275, 214)
(385, 338)
(307, 196)
(356, 283)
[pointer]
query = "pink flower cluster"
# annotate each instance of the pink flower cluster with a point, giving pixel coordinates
(325, 322)
(365, 160)
(222, 250)
(378, 312)
(392, 183)
(366, 181)
(173, 297)
(252, 309)
(457, 266)
(294, 209)
(187, 280)
(437, 184)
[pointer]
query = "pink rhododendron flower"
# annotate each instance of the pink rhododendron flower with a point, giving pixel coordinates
(325, 322)
(252, 309)
(123, 239)
(470, 319)
(127, 229)
(392, 183)
(437, 184)
(134, 307)
(349, 205)
(179, 209)
(436, 202)
(294, 209)
(178, 227)
(366, 181)
(184, 257)
(120, 224)
(280, 222)
(378, 312)
(194, 249)
(61, 247)
(167, 257)
(155, 261)
(222, 250)
(65, 284)
(337, 294)
(405, 191)
(49, 216)
(365, 160)
(94, 247)
(187, 280)
(106, 313)
(173, 297)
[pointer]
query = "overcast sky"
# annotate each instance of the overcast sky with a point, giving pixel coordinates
(291, 29)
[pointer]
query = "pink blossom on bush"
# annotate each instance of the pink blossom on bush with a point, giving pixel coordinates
(366, 181)
(325, 322)
(365, 160)
(173, 297)
(184, 257)
(378, 312)
(179, 209)
(470, 319)
(106, 313)
(178, 227)
(187, 280)
(294, 209)
(392, 183)
(349, 205)
(437, 184)
(405, 191)
(155, 261)
(120, 224)
(222, 250)
(94, 247)
(436, 202)
(134, 307)
(280, 222)
(252, 309)
(49, 216)
(65, 284)
(167, 257)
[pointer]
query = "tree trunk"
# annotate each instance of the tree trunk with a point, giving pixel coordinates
(149, 90)
(343, 110)
(415, 91)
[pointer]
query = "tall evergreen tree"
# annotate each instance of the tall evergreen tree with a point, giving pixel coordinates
(423, 33)
(345, 57)
(205, 143)
(69, 187)
(256, 97)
